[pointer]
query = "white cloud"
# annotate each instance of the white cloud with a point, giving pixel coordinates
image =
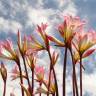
(37, 16)
(62, 3)
(9, 26)
(89, 83)
(70, 9)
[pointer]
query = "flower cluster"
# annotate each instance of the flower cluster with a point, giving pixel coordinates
(74, 38)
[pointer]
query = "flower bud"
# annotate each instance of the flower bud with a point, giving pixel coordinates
(3, 72)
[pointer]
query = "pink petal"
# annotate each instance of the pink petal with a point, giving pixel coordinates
(89, 52)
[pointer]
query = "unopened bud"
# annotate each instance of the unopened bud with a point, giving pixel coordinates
(3, 71)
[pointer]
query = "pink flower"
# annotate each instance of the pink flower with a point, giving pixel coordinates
(67, 30)
(41, 29)
(69, 27)
(15, 70)
(22, 44)
(39, 71)
(35, 45)
(52, 87)
(82, 41)
(76, 55)
(16, 74)
(54, 57)
(83, 44)
(31, 61)
(7, 51)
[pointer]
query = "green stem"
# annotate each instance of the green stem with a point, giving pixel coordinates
(64, 72)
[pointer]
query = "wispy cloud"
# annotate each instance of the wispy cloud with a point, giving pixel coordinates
(25, 14)
(9, 26)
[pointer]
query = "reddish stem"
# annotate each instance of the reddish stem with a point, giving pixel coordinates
(27, 74)
(64, 72)
(40, 86)
(52, 68)
(80, 76)
(75, 86)
(32, 82)
(57, 94)
(49, 80)
(21, 79)
(4, 92)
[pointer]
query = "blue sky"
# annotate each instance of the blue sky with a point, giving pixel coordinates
(26, 14)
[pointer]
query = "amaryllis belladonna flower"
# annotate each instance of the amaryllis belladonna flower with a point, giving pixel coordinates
(42, 31)
(76, 55)
(22, 44)
(7, 51)
(34, 44)
(67, 30)
(16, 73)
(52, 87)
(39, 71)
(31, 61)
(54, 56)
(83, 43)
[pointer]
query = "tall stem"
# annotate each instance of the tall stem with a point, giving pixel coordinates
(52, 68)
(73, 84)
(80, 76)
(74, 77)
(49, 80)
(27, 75)
(64, 72)
(21, 79)
(40, 86)
(4, 92)
(32, 81)
(57, 94)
